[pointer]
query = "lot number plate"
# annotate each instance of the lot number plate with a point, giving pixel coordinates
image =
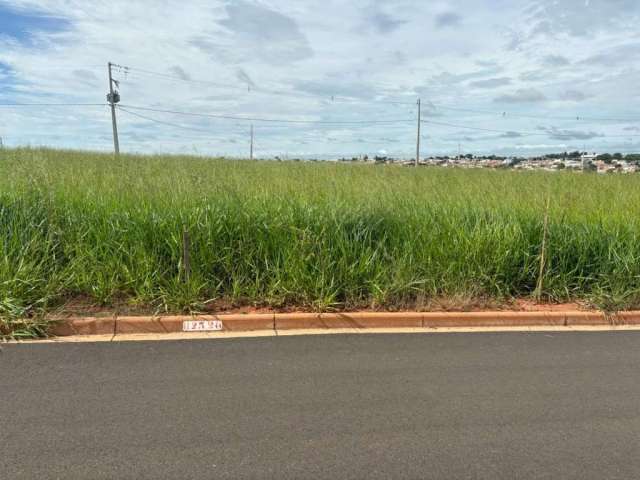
(202, 326)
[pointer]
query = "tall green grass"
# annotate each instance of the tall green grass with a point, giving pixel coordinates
(319, 236)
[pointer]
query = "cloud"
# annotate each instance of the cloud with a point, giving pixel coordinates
(533, 76)
(511, 135)
(583, 18)
(384, 23)
(244, 77)
(560, 134)
(429, 110)
(614, 56)
(328, 87)
(448, 19)
(448, 78)
(491, 83)
(515, 40)
(487, 63)
(86, 78)
(180, 73)
(556, 61)
(84, 74)
(267, 34)
(573, 96)
(523, 95)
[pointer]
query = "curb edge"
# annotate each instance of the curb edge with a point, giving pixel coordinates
(327, 321)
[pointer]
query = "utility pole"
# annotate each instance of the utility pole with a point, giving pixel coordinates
(113, 97)
(418, 138)
(251, 145)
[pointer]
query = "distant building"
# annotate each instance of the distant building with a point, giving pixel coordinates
(575, 164)
(588, 159)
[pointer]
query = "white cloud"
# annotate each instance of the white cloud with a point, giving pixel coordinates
(308, 55)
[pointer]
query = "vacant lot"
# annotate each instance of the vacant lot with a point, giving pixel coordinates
(83, 226)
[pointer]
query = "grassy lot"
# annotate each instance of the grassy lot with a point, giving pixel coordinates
(77, 225)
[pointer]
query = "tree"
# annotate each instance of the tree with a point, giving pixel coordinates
(606, 158)
(633, 158)
(617, 156)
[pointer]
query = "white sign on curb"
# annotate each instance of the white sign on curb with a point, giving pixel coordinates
(202, 326)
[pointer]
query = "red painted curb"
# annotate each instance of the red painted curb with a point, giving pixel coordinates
(229, 323)
(323, 321)
(83, 326)
(309, 321)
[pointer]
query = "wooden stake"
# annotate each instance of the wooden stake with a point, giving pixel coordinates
(543, 253)
(186, 255)
(418, 136)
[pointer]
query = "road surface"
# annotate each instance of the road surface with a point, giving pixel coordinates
(454, 406)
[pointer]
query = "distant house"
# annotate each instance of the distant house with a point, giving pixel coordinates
(588, 159)
(604, 167)
(575, 164)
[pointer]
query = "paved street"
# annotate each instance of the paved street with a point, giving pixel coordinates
(455, 406)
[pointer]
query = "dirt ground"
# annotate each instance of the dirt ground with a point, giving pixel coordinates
(84, 307)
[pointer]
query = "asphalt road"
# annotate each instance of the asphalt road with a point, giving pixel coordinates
(456, 406)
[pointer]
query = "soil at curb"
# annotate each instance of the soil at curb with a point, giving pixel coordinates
(82, 307)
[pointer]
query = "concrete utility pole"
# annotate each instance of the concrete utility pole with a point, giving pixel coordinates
(418, 139)
(113, 98)
(251, 145)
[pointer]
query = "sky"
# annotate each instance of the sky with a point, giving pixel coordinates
(323, 79)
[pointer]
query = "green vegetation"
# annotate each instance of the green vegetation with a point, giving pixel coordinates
(77, 225)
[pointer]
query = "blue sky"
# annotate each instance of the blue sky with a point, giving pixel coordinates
(21, 25)
(494, 76)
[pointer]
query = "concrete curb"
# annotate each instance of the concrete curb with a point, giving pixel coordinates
(326, 321)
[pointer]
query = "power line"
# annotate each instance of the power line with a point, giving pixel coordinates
(14, 68)
(514, 132)
(343, 99)
(53, 135)
(184, 127)
(52, 104)
(128, 70)
(272, 120)
(328, 99)
(505, 114)
(365, 122)
(254, 89)
(162, 122)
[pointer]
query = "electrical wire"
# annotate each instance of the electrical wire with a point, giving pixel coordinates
(312, 136)
(254, 89)
(53, 104)
(521, 133)
(162, 122)
(271, 120)
(505, 114)
(343, 99)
